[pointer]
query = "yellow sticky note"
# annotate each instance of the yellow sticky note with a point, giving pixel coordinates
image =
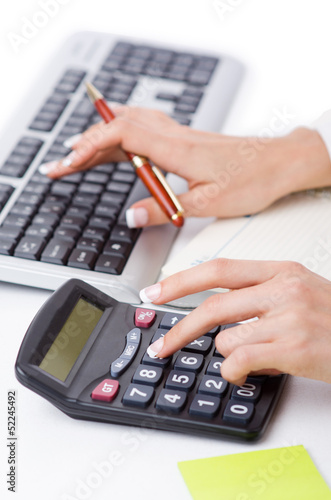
(281, 473)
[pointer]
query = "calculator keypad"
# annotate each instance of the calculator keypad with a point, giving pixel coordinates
(188, 384)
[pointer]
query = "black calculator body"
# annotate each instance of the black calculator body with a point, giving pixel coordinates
(85, 352)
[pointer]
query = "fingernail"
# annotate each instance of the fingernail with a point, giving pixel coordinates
(69, 159)
(136, 217)
(155, 348)
(45, 168)
(71, 141)
(150, 293)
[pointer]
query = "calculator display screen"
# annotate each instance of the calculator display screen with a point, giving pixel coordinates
(71, 339)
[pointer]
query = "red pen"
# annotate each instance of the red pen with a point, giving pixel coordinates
(150, 175)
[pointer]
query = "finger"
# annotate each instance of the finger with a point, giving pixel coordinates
(223, 308)
(254, 332)
(253, 358)
(224, 273)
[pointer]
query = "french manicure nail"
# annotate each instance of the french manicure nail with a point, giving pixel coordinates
(71, 141)
(155, 348)
(136, 217)
(45, 168)
(150, 293)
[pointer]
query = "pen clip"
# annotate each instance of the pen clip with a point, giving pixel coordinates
(162, 179)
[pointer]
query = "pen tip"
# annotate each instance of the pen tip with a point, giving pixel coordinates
(93, 92)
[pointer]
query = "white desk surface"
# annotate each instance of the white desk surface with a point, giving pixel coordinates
(285, 46)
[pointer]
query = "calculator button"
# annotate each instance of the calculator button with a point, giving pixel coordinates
(212, 333)
(147, 360)
(130, 351)
(205, 406)
(134, 336)
(144, 318)
(158, 334)
(202, 345)
(238, 412)
(188, 361)
(215, 386)
(148, 375)
(106, 390)
(170, 319)
(171, 401)
(138, 395)
(119, 366)
(180, 380)
(214, 366)
(248, 391)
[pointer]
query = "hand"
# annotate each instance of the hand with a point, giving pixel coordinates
(227, 176)
(292, 332)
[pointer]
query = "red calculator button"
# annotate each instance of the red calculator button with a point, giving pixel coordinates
(144, 318)
(106, 391)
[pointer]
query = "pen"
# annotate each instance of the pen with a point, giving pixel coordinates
(150, 175)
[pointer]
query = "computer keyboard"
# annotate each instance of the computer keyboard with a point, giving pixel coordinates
(74, 227)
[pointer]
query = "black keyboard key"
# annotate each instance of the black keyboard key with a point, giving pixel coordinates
(138, 395)
(39, 231)
(147, 360)
(7, 246)
(106, 211)
(63, 189)
(119, 187)
(129, 177)
(42, 125)
(67, 233)
(214, 386)
(30, 247)
(84, 259)
(249, 391)
(123, 233)
(85, 200)
(114, 199)
(57, 251)
(214, 366)
(46, 220)
(238, 412)
(202, 345)
(52, 208)
(12, 170)
(205, 406)
(23, 209)
(96, 177)
(73, 221)
(148, 375)
(119, 248)
(170, 319)
(35, 188)
(189, 362)
(158, 334)
(103, 222)
(30, 199)
(90, 188)
(172, 401)
(180, 380)
(90, 244)
(97, 233)
(110, 264)
(199, 77)
(17, 221)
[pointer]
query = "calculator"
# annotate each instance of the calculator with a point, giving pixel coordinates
(85, 352)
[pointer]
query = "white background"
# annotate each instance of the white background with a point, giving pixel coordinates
(285, 47)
